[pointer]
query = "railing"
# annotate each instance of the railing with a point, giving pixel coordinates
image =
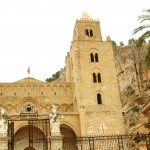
(113, 142)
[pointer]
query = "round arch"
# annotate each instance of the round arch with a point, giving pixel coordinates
(29, 148)
(21, 138)
(67, 131)
(102, 96)
(93, 50)
(31, 100)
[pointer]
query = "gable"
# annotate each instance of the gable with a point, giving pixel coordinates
(29, 80)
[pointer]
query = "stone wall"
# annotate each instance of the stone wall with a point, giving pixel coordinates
(13, 96)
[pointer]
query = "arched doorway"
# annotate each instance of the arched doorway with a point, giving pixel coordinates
(67, 132)
(29, 148)
(34, 134)
(21, 139)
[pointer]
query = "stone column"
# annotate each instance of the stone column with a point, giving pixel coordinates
(3, 130)
(56, 141)
(3, 141)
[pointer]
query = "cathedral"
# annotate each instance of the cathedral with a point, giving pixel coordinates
(88, 101)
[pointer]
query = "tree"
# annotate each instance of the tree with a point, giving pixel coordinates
(147, 58)
(54, 77)
(146, 34)
(121, 43)
(113, 43)
(132, 41)
(145, 28)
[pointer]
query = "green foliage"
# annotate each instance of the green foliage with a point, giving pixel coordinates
(147, 58)
(54, 77)
(113, 43)
(132, 124)
(135, 109)
(132, 41)
(121, 43)
(146, 34)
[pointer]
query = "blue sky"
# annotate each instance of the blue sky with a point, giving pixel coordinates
(38, 33)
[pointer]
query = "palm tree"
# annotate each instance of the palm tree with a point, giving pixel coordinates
(145, 35)
(147, 58)
(144, 27)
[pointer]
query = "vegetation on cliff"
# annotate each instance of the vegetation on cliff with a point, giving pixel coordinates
(53, 77)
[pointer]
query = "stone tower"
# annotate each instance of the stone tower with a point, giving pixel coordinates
(90, 68)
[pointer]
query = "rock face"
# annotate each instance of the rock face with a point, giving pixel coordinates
(134, 82)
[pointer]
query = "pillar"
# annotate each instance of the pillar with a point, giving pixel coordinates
(3, 141)
(56, 141)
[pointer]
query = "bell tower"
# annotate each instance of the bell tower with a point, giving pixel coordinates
(87, 29)
(91, 69)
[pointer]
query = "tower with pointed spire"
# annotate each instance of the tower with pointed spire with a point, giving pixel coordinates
(87, 29)
(91, 69)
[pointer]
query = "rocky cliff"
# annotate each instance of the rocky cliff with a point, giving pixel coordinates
(133, 80)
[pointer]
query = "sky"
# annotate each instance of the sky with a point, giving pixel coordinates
(38, 33)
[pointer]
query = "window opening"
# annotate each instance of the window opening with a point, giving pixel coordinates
(96, 57)
(91, 32)
(28, 108)
(92, 57)
(99, 98)
(99, 77)
(94, 78)
(87, 32)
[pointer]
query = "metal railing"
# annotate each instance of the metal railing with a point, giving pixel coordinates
(112, 142)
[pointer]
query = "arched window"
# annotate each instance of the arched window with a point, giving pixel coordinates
(99, 77)
(91, 32)
(87, 32)
(99, 99)
(96, 57)
(92, 57)
(94, 78)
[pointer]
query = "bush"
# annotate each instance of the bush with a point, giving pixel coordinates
(135, 109)
(132, 124)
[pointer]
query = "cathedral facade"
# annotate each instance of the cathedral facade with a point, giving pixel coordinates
(89, 99)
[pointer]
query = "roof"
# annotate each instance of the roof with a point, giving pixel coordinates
(85, 16)
(29, 80)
